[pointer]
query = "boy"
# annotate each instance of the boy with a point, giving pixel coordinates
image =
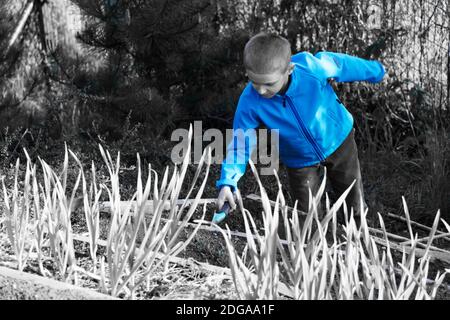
(293, 95)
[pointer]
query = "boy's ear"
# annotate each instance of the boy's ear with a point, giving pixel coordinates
(291, 68)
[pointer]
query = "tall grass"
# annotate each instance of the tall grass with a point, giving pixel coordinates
(57, 212)
(39, 216)
(318, 262)
(260, 279)
(130, 259)
(17, 216)
(91, 206)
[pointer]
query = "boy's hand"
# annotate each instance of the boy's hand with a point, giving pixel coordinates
(225, 194)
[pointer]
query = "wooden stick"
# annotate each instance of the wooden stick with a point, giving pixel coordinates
(273, 203)
(233, 233)
(105, 206)
(421, 226)
(440, 236)
(443, 256)
(442, 251)
(213, 229)
(393, 236)
(258, 198)
(87, 273)
(407, 241)
(391, 215)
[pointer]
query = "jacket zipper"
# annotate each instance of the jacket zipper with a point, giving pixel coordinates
(305, 132)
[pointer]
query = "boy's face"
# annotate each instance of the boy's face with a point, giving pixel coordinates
(269, 84)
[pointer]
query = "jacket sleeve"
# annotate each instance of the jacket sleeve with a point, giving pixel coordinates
(346, 68)
(241, 145)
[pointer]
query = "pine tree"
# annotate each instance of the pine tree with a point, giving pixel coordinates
(31, 90)
(172, 46)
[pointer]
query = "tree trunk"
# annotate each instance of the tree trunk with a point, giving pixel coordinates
(20, 26)
(42, 37)
(448, 59)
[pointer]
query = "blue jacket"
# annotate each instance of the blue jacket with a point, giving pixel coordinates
(311, 120)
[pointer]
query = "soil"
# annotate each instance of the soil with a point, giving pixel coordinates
(15, 285)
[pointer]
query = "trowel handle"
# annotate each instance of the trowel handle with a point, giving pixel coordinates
(222, 214)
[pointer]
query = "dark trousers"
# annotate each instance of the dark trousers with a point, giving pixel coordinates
(342, 169)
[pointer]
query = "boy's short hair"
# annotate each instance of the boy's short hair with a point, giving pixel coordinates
(266, 53)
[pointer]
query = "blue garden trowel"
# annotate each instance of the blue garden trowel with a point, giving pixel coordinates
(221, 215)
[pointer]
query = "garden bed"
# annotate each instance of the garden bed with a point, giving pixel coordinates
(104, 248)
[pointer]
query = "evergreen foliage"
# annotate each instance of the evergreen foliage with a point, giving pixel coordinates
(168, 49)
